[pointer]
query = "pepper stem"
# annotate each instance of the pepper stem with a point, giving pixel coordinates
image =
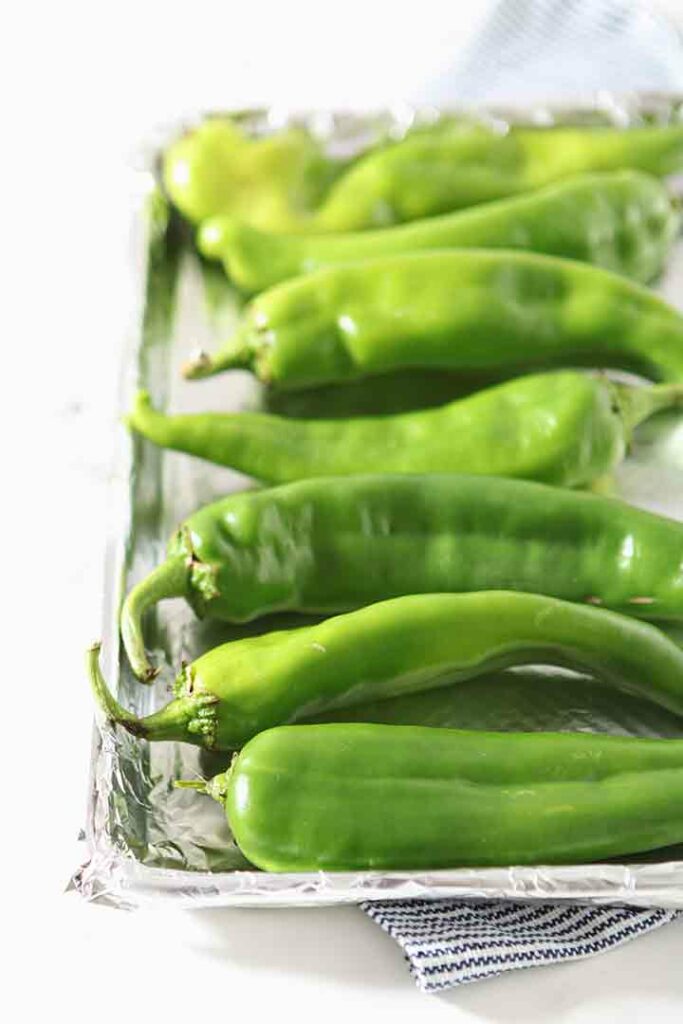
(198, 784)
(170, 579)
(114, 711)
(637, 404)
(236, 354)
(216, 787)
(190, 719)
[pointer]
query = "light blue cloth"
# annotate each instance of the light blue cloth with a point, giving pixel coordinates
(530, 51)
(556, 50)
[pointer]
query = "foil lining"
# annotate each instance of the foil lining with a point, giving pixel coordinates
(148, 843)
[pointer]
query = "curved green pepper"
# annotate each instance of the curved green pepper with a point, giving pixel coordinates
(470, 310)
(436, 172)
(269, 182)
(561, 428)
(331, 544)
(625, 222)
(395, 647)
(353, 796)
(277, 180)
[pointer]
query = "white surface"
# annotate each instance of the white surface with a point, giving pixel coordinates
(82, 83)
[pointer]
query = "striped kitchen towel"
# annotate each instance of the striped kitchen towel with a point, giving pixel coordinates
(453, 942)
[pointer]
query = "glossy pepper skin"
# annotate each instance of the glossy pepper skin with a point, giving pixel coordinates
(269, 182)
(332, 544)
(345, 797)
(473, 311)
(435, 172)
(396, 647)
(562, 428)
(624, 222)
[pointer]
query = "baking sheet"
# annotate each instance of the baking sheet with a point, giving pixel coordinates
(149, 843)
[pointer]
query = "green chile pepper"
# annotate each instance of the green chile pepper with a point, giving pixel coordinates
(399, 646)
(562, 428)
(625, 222)
(269, 182)
(474, 311)
(436, 172)
(354, 796)
(331, 544)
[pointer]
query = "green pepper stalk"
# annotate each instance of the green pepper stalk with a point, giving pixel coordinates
(472, 310)
(184, 717)
(624, 222)
(563, 428)
(181, 576)
(349, 797)
(330, 544)
(433, 172)
(395, 647)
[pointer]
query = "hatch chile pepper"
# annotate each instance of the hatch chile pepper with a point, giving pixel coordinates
(269, 182)
(625, 222)
(278, 179)
(395, 647)
(356, 796)
(435, 172)
(331, 544)
(473, 310)
(562, 428)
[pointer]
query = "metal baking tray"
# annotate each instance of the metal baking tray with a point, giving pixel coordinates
(148, 843)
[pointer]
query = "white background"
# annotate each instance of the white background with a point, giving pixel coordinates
(82, 84)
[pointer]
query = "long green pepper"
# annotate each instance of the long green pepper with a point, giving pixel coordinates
(276, 180)
(473, 311)
(433, 172)
(565, 428)
(625, 222)
(344, 797)
(332, 544)
(397, 647)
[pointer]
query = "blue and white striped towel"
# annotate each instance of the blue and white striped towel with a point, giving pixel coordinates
(454, 942)
(536, 49)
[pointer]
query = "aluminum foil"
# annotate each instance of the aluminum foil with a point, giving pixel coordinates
(148, 842)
